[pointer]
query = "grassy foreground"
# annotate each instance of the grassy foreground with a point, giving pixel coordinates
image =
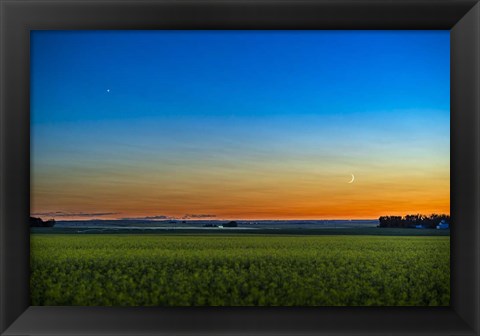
(239, 270)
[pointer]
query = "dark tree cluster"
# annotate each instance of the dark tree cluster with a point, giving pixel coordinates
(38, 222)
(411, 221)
(230, 224)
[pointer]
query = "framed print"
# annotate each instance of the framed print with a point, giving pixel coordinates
(241, 192)
(240, 167)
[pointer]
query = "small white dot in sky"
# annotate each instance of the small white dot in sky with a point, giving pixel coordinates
(108, 90)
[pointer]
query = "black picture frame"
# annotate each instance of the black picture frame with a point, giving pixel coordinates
(18, 17)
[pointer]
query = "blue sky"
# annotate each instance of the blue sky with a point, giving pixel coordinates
(246, 72)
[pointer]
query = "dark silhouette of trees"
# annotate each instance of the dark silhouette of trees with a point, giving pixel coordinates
(411, 221)
(230, 224)
(38, 222)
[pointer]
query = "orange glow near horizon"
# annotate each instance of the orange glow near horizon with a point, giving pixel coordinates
(266, 192)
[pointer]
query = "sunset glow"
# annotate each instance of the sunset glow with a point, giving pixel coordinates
(240, 124)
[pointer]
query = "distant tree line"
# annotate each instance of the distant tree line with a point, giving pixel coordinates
(38, 222)
(410, 221)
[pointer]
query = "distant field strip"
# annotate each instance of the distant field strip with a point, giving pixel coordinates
(239, 270)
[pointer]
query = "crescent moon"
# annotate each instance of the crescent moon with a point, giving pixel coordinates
(353, 179)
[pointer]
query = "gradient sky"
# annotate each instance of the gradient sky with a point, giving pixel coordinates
(239, 124)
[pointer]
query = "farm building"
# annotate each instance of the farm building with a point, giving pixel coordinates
(443, 225)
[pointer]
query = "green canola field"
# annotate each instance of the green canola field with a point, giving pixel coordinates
(239, 270)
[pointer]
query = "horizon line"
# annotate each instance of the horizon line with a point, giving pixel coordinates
(210, 219)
